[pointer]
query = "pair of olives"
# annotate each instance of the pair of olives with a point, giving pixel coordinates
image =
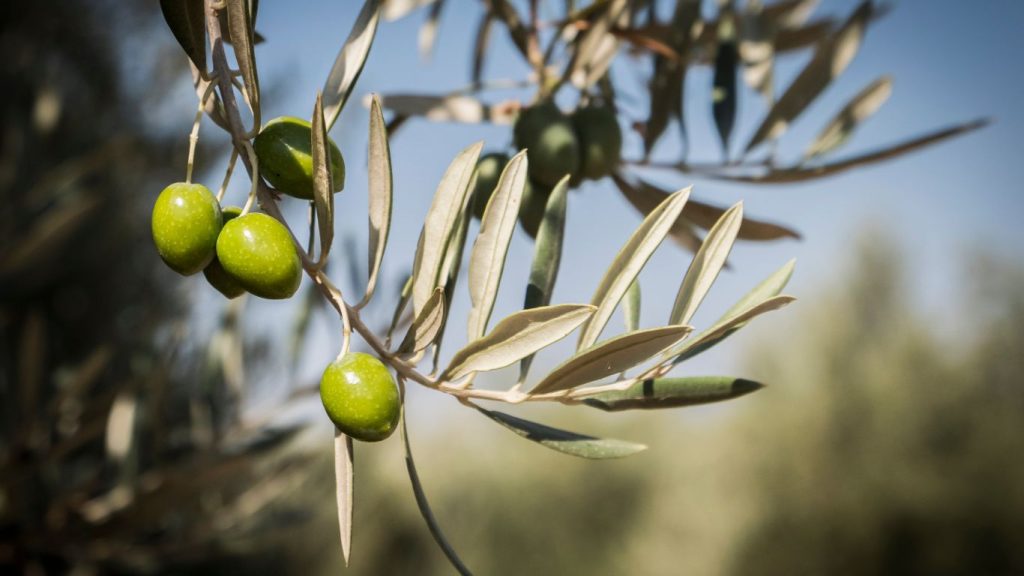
(360, 396)
(586, 144)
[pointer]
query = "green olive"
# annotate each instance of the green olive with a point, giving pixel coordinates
(548, 135)
(185, 223)
(600, 141)
(488, 172)
(284, 150)
(361, 397)
(257, 251)
(215, 274)
(531, 207)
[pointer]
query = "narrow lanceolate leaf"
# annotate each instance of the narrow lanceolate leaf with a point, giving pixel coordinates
(830, 60)
(452, 264)
(840, 128)
(768, 288)
(240, 26)
(323, 190)
(706, 215)
(668, 82)
(343, 480)
(487, 260)
(425, 327)
(645, 199)
(424, 506)
(448, 203)
(396, 9)
(725, 328)
(350, 60)
(516, 337)
(428, 32)
(589, 60)
(723, 94)
(610, 357)
(673, 393)
(187, 21)
(449, 108)
(565, 441)
(631, 307)
(706, 264)
(483, 36)
(547, 256)
(629, 261)
(381, 191)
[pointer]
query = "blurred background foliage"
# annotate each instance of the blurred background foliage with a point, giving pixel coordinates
(878, 448)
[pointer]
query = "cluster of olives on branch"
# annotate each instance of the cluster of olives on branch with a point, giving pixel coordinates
(585, 145)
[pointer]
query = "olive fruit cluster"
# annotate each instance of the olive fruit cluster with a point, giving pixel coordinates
(237, 252)
(361, 397)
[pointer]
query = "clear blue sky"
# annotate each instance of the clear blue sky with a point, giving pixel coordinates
(951, 60)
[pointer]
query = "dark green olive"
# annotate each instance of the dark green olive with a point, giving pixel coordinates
(361, 397)
(531, 207)
(600, 141)
(284, 150)
(185, 223)
(257, 251)
(215, 274)
(488, 172)
(552, 147)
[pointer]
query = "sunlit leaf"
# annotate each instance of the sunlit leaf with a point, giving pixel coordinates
(631, 307)
(610, 357)
(768, 288)
(380, 194)
(350, 60)
(673, 393)
(725, 328)
(859, 109)
(240, 26)
(706, 265)
(628, 263)
(487, 259)
(323, 189)
(564, 441)
(451, 108)
(597, 46)
(396, 9)
(645, 199)
(121, 426)
(343, 481)
(187, 21)
(428, 32)
(516, 337)
(426, 326)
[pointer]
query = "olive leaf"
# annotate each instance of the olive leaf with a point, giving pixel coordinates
(723, 92)
(428, 32)
(706, 215)
(381, 191)
(440, 223)
(483, 36)
(350, 60)
(426, 326)
(424, 505)
(610, 357)
(240, 26)
(829, 61)
(628, 263)
(323, 190)
(673, 393)
(487, 259)
(397, 9)
(788, 13)
(450, 108)
(453, 264)
(706, 265)
(631, 307)
(597, 46)
(120, 430)
(563, 440)
(859, 109)
(668, 83)
(187, 21)
(547, 256)
(403, 301)
(725, 328)
(646, 198)
(768, 288)
(517, 336)
(343, 481)
(505, 12)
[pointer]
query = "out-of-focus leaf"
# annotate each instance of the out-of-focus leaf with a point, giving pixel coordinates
(673, 393)
(645, 199)
(789, 13)
(597, 46)
(517, 336)
(723, 93)
(451, 108)
(426, 326)
(829, 61)
(344, 470)
(547, 256)
(768, 288)
(424, 506)
(240, 26)
(631, 307)
(706, 215)
(350, 60)
(757, 50)
(187, 21)
(789, 40)
(564, 441)
(841, 127)
(323, 190)
(505, 12)
(395, 9)
(487, 259)
(725, 328)
(668, 83)
(483, 36)
(628, 263)
(706, 264)
(439, 225)
(610, 357)
(428, 32)
(381, 192)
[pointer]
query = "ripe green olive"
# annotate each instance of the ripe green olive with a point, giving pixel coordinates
(185, 223)
(600, 141)
(215, 274)
(532, 205)
(284, 150)
(257, 251)
(361, 397)
(553, 148)
(488, 172)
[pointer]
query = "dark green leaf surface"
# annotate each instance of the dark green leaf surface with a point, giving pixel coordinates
(673, 393)
(187, 21)
(565, 441)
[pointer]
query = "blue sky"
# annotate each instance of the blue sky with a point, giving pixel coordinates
(952, 61)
